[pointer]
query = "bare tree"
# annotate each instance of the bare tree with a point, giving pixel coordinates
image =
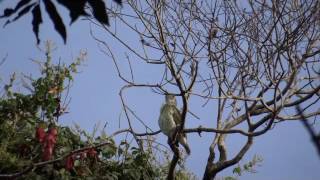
(256, 59)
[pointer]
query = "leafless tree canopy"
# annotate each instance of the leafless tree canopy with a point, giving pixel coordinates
(256, 59)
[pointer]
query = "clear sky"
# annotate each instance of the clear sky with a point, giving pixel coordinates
(287, 150)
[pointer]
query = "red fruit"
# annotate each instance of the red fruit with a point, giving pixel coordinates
(69, 162)
(50, 140)
(49, 144)
(53, 131)
(40, 134)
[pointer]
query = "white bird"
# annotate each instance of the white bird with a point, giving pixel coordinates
(170, 118)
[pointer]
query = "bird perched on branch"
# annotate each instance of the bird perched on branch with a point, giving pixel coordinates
(170, 119)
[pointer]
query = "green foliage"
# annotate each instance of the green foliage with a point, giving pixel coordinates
(229, 178)
(248, 167)
(22, 115)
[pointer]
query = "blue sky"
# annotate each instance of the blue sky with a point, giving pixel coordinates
(287, 150)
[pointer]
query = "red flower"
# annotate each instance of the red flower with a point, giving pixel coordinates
(53, 131)
(40, 134)
(49, 144)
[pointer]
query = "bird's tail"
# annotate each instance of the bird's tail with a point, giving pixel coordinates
(183, 142)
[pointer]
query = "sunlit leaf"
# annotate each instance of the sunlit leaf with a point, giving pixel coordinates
(237, 170)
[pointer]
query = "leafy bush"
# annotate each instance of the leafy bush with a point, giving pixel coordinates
(33, 145)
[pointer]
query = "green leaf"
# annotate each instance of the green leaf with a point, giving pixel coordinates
(229, 178)
(108, 151)
(237, 170)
